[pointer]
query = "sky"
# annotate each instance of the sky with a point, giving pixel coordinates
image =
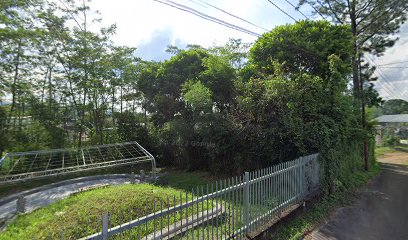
(151, 26)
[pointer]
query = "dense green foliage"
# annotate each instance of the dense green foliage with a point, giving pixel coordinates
(303, 47)
(389, 107)
(226, 108)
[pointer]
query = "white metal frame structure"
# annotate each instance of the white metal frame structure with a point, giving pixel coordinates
(22, 166)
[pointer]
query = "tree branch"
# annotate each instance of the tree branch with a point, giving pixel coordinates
(333, 12)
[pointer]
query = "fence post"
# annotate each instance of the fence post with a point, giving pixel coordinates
(21, 204)
(302, 178)
(142, 175)
(132, 178)
(246, 202)
(105, 226)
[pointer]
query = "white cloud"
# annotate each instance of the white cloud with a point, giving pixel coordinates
(393, 82)
(138, 20)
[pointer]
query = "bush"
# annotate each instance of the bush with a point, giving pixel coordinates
(391, 141)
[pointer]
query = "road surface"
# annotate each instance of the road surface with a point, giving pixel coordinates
(380, 213)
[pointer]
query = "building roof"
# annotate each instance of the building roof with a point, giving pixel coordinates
(398, 118)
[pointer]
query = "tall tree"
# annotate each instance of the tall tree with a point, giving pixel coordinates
(373, 25)
(17, 55)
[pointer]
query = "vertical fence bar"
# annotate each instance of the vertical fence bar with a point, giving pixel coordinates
(146, 228)
(246, 202)
(228, 214)
(203, 212)
(302, 177)
(233, 202)
(260, 198)
(280, 187)
(105, 225)
(286, 184)
(252, 211)
(291, 177)
(208, 220)
(198, 212)
(299, 179)
(227, 206)
(220, 196)
(161, 219)
(168, 217)
(264, 195)
(154, 218)
(175, 213)
(192, 213)
(181, 215)
(264, 209)
(234, 206)
(216, 203)
(187, 218)
(138, 231)
(257, 190)
(271, 197)
(212, 212)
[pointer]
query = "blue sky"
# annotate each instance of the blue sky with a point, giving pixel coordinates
(151, 26)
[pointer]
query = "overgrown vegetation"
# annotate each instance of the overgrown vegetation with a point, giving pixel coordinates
(186, 181)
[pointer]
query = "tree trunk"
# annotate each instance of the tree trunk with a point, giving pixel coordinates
(354, 60)
(14, 85)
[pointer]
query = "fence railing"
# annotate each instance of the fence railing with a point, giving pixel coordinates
(228, 209)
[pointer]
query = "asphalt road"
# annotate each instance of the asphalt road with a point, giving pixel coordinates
(380, 213)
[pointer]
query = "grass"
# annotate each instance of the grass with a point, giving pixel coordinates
(186, 181)
(79, 215)
(305, 222)
(379, 151)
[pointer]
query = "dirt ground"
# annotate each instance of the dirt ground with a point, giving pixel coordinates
(381, 211)
(398, 157)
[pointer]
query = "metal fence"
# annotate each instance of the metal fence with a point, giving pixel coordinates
(229, 209)
(24, 166)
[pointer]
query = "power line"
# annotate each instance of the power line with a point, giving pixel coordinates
(280, 9)
(385, 80)
(297, 9)
(317, 11)
(232, 15)
(206, 17)
(392, 63)
(384, 87)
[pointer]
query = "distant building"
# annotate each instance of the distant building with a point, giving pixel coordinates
(392, 125)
